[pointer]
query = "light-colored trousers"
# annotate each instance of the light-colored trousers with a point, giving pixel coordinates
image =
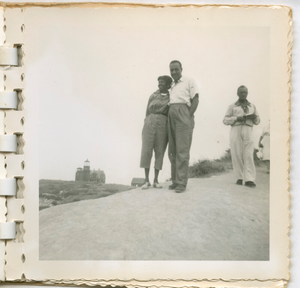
(242, 148)
(154, 137)
(266, 149)
(180, 130)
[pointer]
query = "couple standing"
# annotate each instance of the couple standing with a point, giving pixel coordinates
(170, 118)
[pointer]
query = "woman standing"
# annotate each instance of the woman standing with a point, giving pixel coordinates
(155, 130)
(264, 143)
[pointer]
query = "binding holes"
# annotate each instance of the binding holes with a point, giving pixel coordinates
(22, 28)
(5, 165)
(23, 209)
(23, 165)
(22, 76)
(22, 121)
(4, 28)
(20, 231)
(20, 187)
(23, 278)
(20, 144)
(4, 77)
(23, 258)
(20, 99)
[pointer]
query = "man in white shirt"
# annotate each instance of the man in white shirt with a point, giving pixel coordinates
(242, 115)
(184, 99)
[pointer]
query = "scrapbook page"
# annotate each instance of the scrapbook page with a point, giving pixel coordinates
(152, 144)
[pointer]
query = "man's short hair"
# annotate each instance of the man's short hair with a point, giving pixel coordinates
(176, 61)
(242, 86)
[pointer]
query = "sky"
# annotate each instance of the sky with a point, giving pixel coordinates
(96, 72)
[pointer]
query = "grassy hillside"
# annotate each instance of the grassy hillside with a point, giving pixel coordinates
(57, 192)
(206, 168)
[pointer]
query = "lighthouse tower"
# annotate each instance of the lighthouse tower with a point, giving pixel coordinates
(86, 170)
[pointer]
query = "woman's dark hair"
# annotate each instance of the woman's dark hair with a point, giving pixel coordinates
(167, 79)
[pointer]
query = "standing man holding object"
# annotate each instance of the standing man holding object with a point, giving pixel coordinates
(184, 99)
(242, 115)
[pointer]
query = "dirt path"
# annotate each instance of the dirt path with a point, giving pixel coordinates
(213, 220)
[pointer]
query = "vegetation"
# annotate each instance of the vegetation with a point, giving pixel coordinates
(57, 192)
(226, 157)
(206, 168)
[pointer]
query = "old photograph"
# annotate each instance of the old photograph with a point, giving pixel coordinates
(154, 137)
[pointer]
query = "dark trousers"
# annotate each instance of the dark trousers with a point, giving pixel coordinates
(180, 132)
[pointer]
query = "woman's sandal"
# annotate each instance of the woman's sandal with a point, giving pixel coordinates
(146, 186)
(157, 185)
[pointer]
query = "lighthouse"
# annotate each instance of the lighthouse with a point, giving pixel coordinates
(86, 170)
(86, 174)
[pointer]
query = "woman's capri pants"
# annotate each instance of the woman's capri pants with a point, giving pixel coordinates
(154, 137)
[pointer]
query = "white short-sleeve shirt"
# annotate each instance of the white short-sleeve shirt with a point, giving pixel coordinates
(183, 91)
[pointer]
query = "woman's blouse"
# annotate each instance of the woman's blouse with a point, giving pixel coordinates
(158, 103)
(238, 110)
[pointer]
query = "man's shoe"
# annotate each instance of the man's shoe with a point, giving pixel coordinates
(250, 184)
(239, 182)
(173, 186)
(180, 188)
(146, 186)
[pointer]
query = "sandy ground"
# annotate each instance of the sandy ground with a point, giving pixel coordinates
(215, 219)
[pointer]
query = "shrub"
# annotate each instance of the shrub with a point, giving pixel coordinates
(112, 190)
(84, 186)
(206, 167)
(68, 193)
(91, 192)
(53, 197)
(226, 157)
(54, 203)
